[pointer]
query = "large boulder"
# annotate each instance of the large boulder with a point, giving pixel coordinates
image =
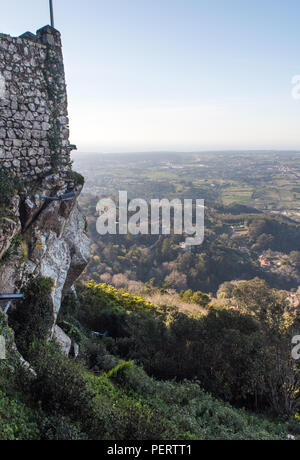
(63, 340)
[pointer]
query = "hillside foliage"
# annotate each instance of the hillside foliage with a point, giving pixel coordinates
(156, 374)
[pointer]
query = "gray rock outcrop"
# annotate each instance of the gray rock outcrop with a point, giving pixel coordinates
(53, 244)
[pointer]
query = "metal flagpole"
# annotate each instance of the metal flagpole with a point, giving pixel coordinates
(51, 13)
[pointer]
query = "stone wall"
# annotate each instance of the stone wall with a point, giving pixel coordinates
(34, 125)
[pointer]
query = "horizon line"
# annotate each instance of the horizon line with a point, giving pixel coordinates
(185, 152)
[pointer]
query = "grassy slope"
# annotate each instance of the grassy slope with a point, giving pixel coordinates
(123, 402)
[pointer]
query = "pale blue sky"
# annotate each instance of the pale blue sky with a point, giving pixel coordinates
(175, 74)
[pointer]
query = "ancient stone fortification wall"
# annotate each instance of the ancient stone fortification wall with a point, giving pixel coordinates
(34, 131)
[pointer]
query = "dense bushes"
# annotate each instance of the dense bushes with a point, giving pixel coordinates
(60, 385)
(77, 178)
(68, 403)
(235, 237)
(114, 399)
(33, 318)
(59, 428)
(197, 297)
(148, 409)
(234, 353)
(16, 420)
(125, 404)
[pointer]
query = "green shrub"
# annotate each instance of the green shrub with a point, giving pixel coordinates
(59, 428)
(134, 406)
(33, 318)
(122, 402)
(118, 372)
(60, 386)
(96, 357)
(16, 421)
(70, 306)
(124, 417)
(195, 297)
(77, 178)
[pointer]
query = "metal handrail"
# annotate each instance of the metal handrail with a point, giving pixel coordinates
(10, 298)
(98, 334)
(64, 197)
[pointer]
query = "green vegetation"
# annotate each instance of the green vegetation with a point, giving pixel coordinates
(34, 317)
(137, 383)
(16, 421)
(267, 181)
(195, 297)
(235, 237)
(233, 352)
(77, 178)
(221, 369)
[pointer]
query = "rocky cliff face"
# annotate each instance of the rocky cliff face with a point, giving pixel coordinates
(43, 238)
(37, 237)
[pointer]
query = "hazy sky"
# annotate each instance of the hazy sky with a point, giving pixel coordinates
(175, 74)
